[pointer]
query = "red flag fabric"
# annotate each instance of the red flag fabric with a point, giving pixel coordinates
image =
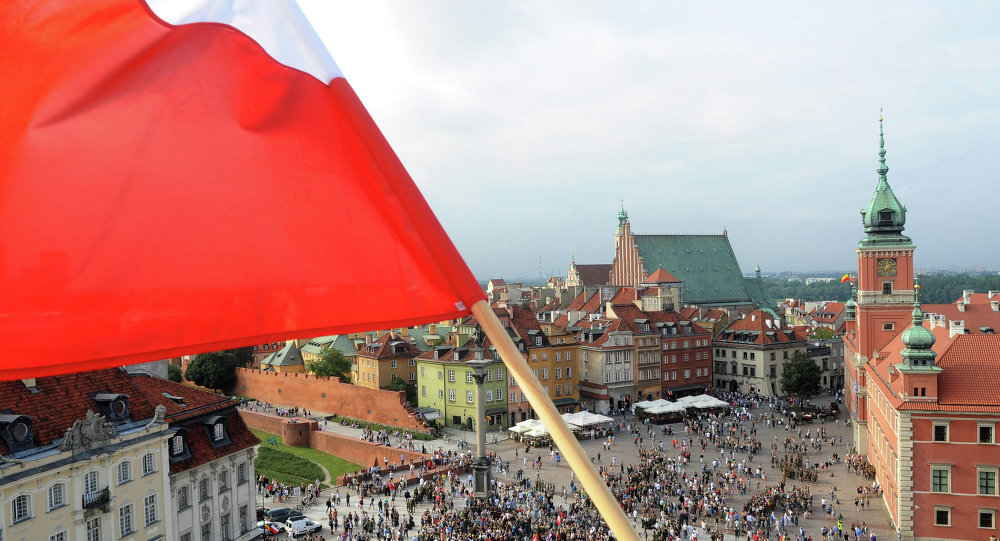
(171, 189)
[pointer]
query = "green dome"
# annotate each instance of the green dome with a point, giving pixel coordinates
(918, 341)
(885, 216)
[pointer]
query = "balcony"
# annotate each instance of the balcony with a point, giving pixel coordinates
(93, 500)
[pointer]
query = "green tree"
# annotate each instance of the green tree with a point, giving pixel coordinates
(800, 376)
(244, 356)
(215, 370)
(411, 390)
(174, 373)
(331, 363)
(822, 333)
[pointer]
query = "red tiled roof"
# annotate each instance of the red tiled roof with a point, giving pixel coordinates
(689, 312)
(978, 313)
(624, 295)
(757, 322)
(968, 369)
(660, 276)
(383, 348)
(61, 400)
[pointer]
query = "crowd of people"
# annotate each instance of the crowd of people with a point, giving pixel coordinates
(685, 486)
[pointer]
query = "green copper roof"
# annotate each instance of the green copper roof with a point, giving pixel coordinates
(705, 263)
(885, 216)
(288, 356)
(622, 217)
(918, 340)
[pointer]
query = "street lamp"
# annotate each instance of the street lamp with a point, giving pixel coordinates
(481, 464)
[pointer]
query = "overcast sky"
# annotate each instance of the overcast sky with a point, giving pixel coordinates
(526, 123)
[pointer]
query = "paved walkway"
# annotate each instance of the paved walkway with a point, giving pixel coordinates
(837, 481)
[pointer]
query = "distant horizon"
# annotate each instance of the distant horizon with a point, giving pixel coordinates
(777, 274)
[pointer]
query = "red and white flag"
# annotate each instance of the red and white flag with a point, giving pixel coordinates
(183, 176)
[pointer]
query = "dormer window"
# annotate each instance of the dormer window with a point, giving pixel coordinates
(114, 406)
(16, 432)
(538, 340)
(885, 217)
(217, 434)
(178, 447)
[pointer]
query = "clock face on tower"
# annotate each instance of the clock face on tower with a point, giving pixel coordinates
(886, 267)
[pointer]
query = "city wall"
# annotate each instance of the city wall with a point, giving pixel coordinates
(306, 433)
(327, 395)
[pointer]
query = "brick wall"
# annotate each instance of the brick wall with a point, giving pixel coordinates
(305, 433)
(326, 395)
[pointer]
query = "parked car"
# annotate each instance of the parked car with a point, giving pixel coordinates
(282, 514)
(267, 527)
(302, 525)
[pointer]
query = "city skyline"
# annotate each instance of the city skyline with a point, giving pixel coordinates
(763, 121)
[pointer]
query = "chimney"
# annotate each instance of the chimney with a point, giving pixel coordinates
(961, 306)
(753, 317)
(991, 294)
(436, 352)
(967, 295)
(29, 382)
(995, 305)
(956, 327)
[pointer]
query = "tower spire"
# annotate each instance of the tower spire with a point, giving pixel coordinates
(882, 167)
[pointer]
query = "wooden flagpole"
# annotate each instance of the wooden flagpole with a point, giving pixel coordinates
(562, 436)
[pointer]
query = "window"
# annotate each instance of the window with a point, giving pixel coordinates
(124, 472)
(206, 531)
(499, 374)
(451, 376)
(125, 525)
(468, 397)
(57, 495)
(224, 528)
(687, 374)
(451, 394)
(772, 355)
(413, 376)
(489, 395)
(241, 473)
(985, 433)
(940, 432)
(223, 481)
(534, 357)
(887, 326)
(423, 371)
(392, 364)
(558, 373)
(244, 514)
(987, 518)
(545, 373)
(203, 493)
(987, 481)
(468, 376)
(569, 372)
(182, 498)
(558, 357)
(886, 288)
(20, 508)
(440, 393)
(534, 373)
(499, 394)
(423, 390)
(942, 516)
(412, 362)
(940, 479)
(186, 536)
(774, 370)
(568, 356)
(148, 463)
(94, 529)
(559, 390)
(149, 508)
(90, 482)
(61, 536)
(440, 375)
(177, 445)
(545, 356)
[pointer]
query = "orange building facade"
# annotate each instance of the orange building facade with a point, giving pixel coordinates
(920, 390)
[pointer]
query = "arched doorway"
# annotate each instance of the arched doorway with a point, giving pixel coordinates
(734, 386)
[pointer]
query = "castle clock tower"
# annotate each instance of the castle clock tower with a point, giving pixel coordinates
(885, 295)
